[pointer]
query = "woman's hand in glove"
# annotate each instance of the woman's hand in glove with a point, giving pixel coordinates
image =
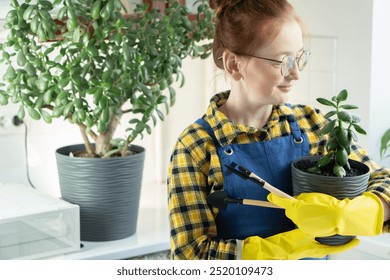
(290, 245)
(319, 214)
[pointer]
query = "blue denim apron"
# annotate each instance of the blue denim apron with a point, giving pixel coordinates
(271, 161)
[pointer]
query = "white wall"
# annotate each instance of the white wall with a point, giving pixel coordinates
(348, 23)
(380, 73)
(359, 29)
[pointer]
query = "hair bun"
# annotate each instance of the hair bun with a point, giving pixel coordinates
(223, 4)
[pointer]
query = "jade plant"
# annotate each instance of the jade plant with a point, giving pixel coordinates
(92, 62)
(341, 131)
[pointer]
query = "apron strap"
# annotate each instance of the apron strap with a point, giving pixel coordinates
(296, 132)
(208, 128)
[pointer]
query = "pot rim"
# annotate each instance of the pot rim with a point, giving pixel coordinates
(356, 164)
(64, 152)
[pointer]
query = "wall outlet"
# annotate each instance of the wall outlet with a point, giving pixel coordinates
(9, 122)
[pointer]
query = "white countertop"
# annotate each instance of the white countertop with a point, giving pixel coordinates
(152, 234)
(369, 248)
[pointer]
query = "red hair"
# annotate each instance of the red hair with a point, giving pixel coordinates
(243, 25)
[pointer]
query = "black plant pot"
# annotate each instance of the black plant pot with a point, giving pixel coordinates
(339, 187)
(106, 190)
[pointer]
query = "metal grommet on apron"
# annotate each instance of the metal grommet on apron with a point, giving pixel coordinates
(228, 151)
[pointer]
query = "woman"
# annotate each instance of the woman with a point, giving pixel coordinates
(259, 45)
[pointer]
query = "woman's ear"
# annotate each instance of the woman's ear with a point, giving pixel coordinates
(231, 64)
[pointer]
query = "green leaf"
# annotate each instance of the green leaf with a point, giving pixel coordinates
(10, 74)
(102, 126)
(34, 24)
(48, 97)
(314, 170)
(64, 82)
(62, 95)
(161, 99)
(92, 51)
(349, 107)
(172, 96)
(326, 102)
(3, 99)
(81, 115)
(330, 114)
(61, 12)
(126, 52)
(105, 116)
(325, 160)
(342, 96)
(355, 119)
(344, 116)
(95, 9)
(21, 112)
(46, 116)
(332, 144)
(76, 34)
(352, 135)
(103, 102)
(160, 114)
(42, 84)
(34, 114)
(341, 157)
(339, 171)
(30, 69)
(5, 55)
(342, 137)
(385, 143)
(28, 12)
(41, 33)
(71, 24)
(97, 96)
(68, 109)
(328, 127)
(57, 111)
(359, 129)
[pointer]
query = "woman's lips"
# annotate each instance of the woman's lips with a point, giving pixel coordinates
(285, 88)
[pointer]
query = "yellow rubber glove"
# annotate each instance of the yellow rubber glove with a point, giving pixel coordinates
(320, 215)
(290, 245)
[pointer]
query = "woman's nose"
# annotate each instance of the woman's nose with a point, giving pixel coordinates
(295, 73)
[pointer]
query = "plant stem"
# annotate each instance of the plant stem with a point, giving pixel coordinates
(103, 140)
(87, 143)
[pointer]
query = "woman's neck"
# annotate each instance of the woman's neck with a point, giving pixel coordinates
(250, 115)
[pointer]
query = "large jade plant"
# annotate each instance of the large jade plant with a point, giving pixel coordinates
(341, 131)
(92, 62)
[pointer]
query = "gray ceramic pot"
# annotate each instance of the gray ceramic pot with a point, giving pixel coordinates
(339, 187)
(107, 191)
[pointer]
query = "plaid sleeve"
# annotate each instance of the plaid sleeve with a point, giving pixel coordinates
(379, 182)
(192, 222)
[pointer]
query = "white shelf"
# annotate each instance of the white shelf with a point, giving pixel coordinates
(370, 248)
(152, 236)
(152, 233)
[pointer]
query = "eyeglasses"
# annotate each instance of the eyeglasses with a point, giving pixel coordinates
(288, 62)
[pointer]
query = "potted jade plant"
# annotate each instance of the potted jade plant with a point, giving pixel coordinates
(91, 62)
(334, 173)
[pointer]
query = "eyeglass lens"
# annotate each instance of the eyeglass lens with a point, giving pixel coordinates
(288, 62)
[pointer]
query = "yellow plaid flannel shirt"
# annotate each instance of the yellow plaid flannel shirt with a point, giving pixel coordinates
(195, 171)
